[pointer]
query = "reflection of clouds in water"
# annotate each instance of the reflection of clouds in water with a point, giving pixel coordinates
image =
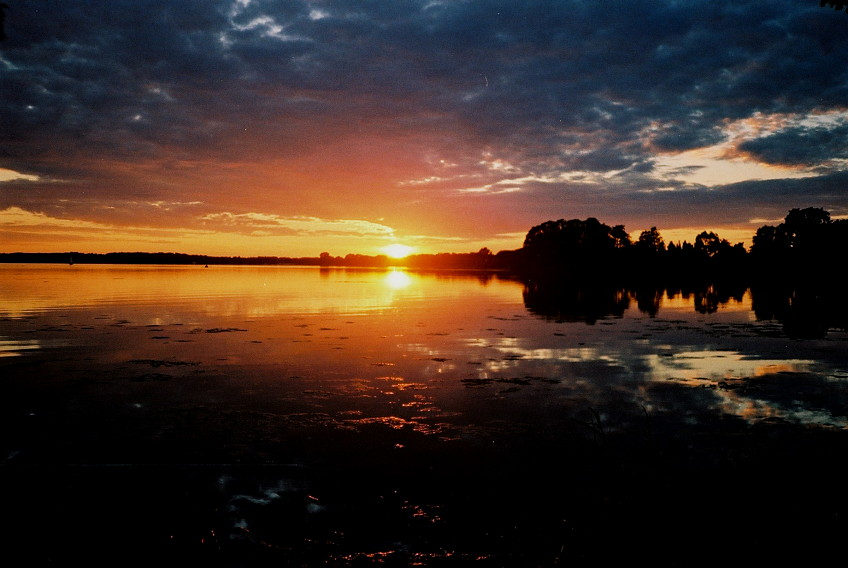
(755, 410)
(16, 348)
(817, 397)
(740, 381)
(515, 357)
(514, 353)
(792, 397)
(444, 338)
(718, 364)
(687, 380)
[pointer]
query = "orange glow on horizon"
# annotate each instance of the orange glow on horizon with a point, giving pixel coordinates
(398, 250)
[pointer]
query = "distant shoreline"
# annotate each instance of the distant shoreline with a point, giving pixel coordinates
(799, 250)
(151, 258)
(423, 261)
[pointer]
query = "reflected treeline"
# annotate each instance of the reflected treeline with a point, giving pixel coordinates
(573, 303)
(583, 270)
(706, 298)
(804, 312)
(564, 300)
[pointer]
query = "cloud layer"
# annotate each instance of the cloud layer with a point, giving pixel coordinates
(461, 122)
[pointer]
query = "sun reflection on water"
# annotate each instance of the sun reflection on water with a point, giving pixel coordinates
(397, 279)
(440, 334)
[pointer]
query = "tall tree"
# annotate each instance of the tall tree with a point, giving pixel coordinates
(709, 244)
(804, 229)
(572, 245)
(621, 237)
(651, 241)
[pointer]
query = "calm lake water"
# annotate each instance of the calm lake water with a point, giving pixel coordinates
(338, 417)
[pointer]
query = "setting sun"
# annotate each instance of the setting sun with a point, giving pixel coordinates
(398, 250)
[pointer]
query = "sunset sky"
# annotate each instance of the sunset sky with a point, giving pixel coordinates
(291, 128)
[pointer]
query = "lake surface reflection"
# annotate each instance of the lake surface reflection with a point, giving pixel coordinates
(446, 403)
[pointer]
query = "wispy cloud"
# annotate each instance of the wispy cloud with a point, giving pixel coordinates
(11, 175)
(269, 223)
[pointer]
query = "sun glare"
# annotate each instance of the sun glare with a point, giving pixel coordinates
(397, 250)
(397, 279)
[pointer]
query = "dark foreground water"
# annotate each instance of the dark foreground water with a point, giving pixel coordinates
(267, 416)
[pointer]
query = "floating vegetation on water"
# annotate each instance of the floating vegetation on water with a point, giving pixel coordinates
(161, 363)
(521, 381)
(151, 377)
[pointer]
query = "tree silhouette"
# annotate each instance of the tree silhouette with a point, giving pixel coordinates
(589, 248)
(801, 247)
(565, 238)
(575, 246)
(805, 228)
(651, 241)
(769, 241)
(835, 5)
(621, 237)
(710, 244)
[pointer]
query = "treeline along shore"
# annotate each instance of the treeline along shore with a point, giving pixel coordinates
(804, 247)
(585, 269)
(805, 244)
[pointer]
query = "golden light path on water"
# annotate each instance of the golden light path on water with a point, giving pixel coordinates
(222, 290)
(437, 334)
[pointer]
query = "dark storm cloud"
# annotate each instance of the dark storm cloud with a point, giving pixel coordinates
(96, 75)
(746, 205)
(737, 203)
(686, 135)
(800, 146)
(545, 65)
(547, 87)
